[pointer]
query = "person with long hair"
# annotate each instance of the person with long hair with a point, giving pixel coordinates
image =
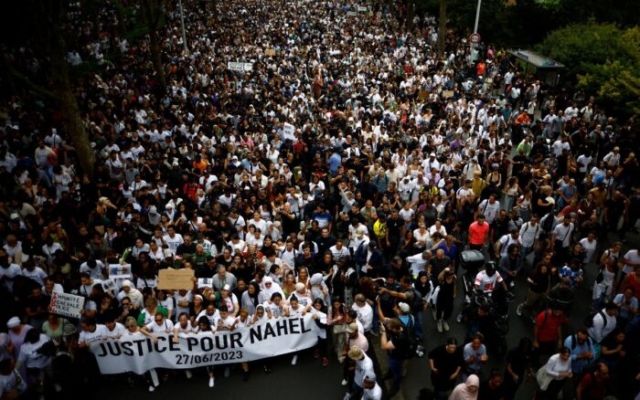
(539, 284)
(337, 321)
(319, 314)
(204, 326)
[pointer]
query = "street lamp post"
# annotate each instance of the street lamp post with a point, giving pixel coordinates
(475, 29)
(184, 34)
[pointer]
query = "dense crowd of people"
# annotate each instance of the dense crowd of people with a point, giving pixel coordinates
(342, 174)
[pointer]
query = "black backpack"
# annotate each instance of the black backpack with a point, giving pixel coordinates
(417, 305)
(588, 321)
(547, 225)
(408, 342)
(574, 341)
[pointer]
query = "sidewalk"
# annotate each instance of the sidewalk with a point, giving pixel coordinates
(380, 361)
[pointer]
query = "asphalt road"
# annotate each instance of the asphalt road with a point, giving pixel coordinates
(310, 381)
(307, 380)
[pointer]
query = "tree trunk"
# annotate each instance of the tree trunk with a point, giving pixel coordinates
(410, 13)
(442, 28)
(69, 105)
(156, 58)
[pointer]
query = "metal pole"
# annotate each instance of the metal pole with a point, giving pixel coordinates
(475, 27)
(184, 34)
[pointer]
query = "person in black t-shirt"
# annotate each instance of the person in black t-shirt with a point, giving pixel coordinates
(446, 363)
(518, 367)
(492, 388)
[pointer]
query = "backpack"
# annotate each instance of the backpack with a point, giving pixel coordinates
(547, 225)
(574, 341)
(418, 302)
(408, 350)
(588, 321)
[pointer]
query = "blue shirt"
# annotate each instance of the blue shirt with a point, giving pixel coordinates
(334, 162)
(573, 275)
(578, 364)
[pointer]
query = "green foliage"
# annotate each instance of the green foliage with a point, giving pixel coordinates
(602, 59)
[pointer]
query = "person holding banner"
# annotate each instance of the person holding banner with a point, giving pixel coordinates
(159, 324)
(296, 310)
(319, 312)
(134, 332)
(204, 326)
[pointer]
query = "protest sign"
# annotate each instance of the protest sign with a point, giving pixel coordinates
(175, 279)
(270, 52)
(119, 271)
(139, 354)
(289, 131)
(240, 66)
(65, 304)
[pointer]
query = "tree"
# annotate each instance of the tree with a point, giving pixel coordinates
(153, 19)
(601, 59)
(47, 21)
(442, 29)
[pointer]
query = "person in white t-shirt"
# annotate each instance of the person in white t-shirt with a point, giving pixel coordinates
(490, 208)
(489, 278)
(204, 327)
(364, 310)
(11, 383)
(112, 329)
(173, 239)
(35, 358)
(91, 332)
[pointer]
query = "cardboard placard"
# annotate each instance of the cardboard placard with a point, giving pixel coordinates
(175, 279)
(270, 52)
(67, 305)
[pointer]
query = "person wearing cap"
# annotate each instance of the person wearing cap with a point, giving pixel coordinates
(363, 367)
(16, 334)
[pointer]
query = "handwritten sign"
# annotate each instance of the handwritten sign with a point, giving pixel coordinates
(119, 271)
(289, 132)
(175, 279)
(65, 304)
(270, 52)
(240, 66)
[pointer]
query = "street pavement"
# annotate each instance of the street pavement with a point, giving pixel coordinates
(310, 381)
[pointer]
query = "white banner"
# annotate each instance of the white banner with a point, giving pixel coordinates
(239, 66)
(65, 304)
(272, 338)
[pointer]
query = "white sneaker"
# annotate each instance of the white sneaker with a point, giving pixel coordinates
(188, 373)
(439, 325)
(445, 326)
(294, 360)
(344, 382)
(152, 388)
(212, 382)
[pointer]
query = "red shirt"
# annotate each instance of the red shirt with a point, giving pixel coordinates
(478, 233)
(548, 325)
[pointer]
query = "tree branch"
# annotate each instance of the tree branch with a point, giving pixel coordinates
(27, 82)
